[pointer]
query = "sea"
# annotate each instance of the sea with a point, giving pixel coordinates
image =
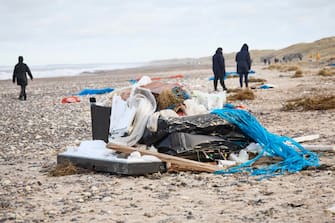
(62, 70)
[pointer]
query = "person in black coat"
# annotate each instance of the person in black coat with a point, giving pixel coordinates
(20, 76)
(243, 64)
(219, 69)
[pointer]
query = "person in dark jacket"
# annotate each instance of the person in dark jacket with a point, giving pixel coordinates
(243, 64)
(219, 69)
(20, 76)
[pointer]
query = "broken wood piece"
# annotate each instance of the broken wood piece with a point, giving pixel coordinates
(320, 148)
(182, 164)
(306, 138)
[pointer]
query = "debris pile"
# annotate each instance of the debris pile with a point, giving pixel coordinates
(185, 127)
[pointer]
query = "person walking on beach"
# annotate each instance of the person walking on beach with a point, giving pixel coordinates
(20, 76)
(219, 69)
(243, 62)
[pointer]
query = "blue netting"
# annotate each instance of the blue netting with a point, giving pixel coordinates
(295, 157)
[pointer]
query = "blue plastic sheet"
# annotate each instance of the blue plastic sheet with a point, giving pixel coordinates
(265, 86)
(95, 91)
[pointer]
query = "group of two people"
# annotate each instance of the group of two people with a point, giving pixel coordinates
(243, 63)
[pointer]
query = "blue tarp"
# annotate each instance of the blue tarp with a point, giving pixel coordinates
(265, 86)
(95, 91)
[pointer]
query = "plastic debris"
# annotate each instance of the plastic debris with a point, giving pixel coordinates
(295, 157)
(71, 99)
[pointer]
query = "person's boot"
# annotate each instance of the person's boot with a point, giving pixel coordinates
(25, 97)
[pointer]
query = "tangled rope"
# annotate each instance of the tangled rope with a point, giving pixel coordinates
(295, 157)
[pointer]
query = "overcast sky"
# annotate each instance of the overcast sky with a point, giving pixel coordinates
(92, 31)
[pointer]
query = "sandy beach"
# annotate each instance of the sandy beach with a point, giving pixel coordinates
(33, 132)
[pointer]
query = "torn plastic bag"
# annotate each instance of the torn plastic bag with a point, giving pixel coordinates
(206, 124)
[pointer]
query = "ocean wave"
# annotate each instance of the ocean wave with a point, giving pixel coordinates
(62, 70)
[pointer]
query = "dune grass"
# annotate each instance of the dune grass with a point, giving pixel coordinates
(322, 102)
(326, 72)
(241, 94)
(283, 68)
(253, 80)
(298, 74)
(66, 168)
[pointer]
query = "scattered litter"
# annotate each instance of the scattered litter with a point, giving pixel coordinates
(295, 157)
(242, 157)
(223, 163)
(186, 127)
(266, 86)
(71, 99)
(95, 91)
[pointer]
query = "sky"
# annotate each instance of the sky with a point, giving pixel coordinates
(111, 31)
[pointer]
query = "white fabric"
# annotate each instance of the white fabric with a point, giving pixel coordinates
(145, 104)
(121, 117)
(152, 123)
(210, 101)
(96, 149)
(193, 108)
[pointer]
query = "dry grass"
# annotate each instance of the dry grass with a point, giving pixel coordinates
(232, 76)
(246, 94)
(297, 74)
(283, 68)
(290, 68)
(167, 99)
(252, 79)
(326, 72)
(64, 169)
(274, 67)
(234, 90)
(323, 102)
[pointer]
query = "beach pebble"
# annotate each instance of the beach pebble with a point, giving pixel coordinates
(331, 209)
(106, 199)
(6, 182)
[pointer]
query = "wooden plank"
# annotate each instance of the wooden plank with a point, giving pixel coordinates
(320, 148)
(306, 138)
(180, 163)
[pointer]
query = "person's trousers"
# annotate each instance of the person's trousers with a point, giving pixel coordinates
(245, 75)
(218, 77)
(23, 94)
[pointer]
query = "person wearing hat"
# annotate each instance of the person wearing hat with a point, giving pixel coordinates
(219, 69)
(20, 76)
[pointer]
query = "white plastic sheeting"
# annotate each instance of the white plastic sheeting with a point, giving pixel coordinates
(96, 149)
(210, 101)
(144, 103)
(121, 117)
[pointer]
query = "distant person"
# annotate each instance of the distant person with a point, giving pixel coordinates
(243, 64)
(219, 69)
(265, 61)
(20, 76)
